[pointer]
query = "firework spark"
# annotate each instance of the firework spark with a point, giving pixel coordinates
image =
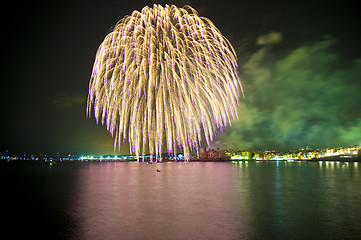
(161, 77)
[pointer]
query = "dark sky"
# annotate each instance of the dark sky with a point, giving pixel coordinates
(299, 61)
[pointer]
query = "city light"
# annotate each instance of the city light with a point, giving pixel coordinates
(351, 153)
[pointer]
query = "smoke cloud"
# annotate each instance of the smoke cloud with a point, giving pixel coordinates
(64, 100)
(307, 97)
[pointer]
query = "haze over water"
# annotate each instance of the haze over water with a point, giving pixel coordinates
(130, 200)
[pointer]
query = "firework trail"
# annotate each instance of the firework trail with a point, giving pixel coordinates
(162, 77)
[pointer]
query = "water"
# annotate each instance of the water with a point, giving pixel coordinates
(130, 200)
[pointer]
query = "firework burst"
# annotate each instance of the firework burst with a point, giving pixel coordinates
(164, 77)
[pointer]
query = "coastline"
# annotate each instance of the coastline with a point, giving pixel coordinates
(324, 159)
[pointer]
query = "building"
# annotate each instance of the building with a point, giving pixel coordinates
(213, 155)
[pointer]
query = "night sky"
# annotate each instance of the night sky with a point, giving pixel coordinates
(299, 61)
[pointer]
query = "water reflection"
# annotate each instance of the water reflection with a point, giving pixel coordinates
(338, 164)
(180, 201)
(312, 200)
(241, 200)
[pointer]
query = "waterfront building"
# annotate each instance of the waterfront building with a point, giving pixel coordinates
(213, 155)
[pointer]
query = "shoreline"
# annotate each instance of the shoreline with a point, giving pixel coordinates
(325, 159)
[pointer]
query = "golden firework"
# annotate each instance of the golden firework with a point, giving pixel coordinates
(161, 77)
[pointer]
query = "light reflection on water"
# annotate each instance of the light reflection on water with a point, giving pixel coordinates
(245, 200)
(130, 200)
(182, 201)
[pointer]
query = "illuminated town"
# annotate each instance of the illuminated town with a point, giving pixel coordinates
(351, 153)
(344, 153)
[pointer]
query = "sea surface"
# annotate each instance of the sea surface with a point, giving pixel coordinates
(219, 200)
